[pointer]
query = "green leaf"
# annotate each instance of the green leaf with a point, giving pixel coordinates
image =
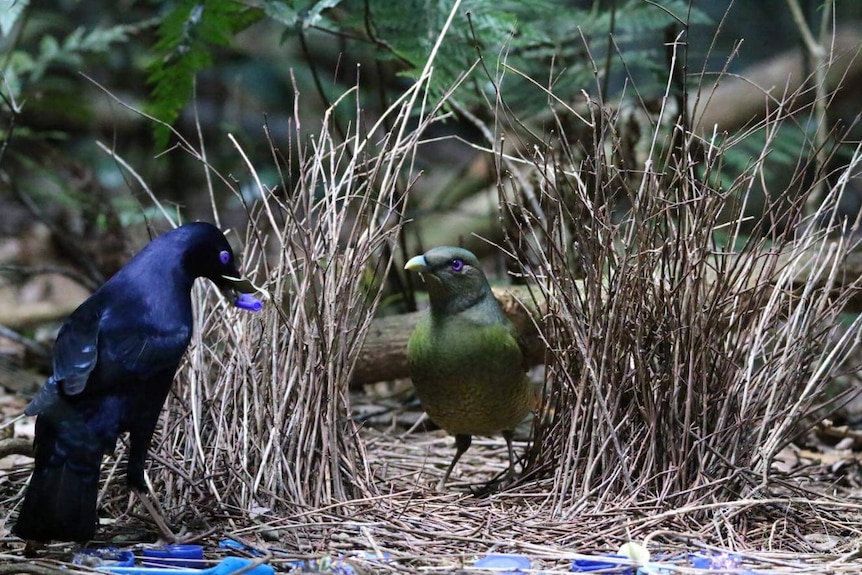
(187, 36)
(10, 13)
(314, 13)
(282, 13)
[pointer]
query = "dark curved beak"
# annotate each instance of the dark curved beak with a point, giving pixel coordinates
(238, 284)
(238, 290)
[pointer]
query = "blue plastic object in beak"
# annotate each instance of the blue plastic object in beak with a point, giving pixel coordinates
(248, 302)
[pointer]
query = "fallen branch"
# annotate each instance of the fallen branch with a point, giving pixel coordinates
(383, 356)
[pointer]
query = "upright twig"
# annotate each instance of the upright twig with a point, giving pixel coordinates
(820, 58)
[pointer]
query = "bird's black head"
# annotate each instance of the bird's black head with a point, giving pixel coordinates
(207, 254)
(455, 280)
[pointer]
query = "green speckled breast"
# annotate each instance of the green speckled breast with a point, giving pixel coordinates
(469, 377)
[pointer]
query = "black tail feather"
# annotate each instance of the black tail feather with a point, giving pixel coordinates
(60, 504)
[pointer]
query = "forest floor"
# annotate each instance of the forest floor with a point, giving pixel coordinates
(410, 527)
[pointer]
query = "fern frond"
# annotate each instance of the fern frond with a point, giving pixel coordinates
(187, 36)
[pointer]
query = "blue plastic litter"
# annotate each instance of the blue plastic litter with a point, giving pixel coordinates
(505, 563)
(715, 561)
(248, 302)
(336, 565)
(231, 544)
(185, 556)
(102, 557)
(235, 545)
(657, 569)
(227, 566)
(601, 563)
(719, 562)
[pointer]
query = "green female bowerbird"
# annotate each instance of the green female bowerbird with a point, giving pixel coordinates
(464, 356)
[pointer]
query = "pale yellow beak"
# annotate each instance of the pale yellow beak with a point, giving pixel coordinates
(416, 264)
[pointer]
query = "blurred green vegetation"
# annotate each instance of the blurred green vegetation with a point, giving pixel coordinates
(226, 66)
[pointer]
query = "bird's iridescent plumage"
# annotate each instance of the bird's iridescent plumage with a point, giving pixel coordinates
(114, 361)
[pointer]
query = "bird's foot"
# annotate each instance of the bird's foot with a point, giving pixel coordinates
(495, 485)
(166, 534)
(32, 548)
(486, 489)
(157, 515)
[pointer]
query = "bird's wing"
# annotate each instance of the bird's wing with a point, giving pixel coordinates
(510, 343)
(523, 348)
(134, 350)
(47, 398)
(76, 348)
(143, 352)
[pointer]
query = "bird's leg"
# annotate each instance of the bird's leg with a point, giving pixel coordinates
(462, 444)
(140, 435)
(508, 435)
(32, 548)
(502, 482)
(158, 515)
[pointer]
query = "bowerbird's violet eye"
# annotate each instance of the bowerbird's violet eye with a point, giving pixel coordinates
(457, 265)
(224, 256)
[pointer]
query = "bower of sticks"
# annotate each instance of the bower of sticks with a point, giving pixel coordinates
(690, 369)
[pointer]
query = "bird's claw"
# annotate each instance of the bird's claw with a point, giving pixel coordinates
(32, 548)
(157, 515)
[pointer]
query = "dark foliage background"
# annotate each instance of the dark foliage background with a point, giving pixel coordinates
(223, 66)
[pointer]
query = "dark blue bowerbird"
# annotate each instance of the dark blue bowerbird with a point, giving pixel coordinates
(114, 361)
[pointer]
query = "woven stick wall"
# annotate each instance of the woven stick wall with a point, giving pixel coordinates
(260, 422)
